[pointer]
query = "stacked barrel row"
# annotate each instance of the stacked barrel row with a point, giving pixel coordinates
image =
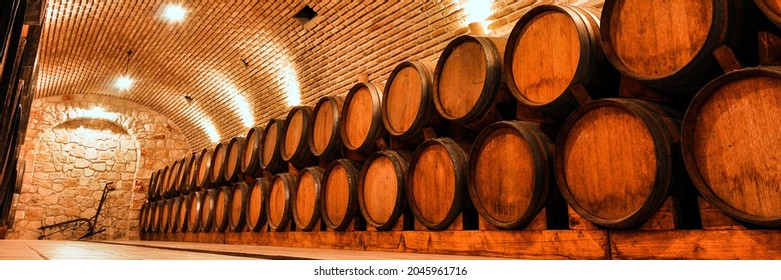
(505, 127)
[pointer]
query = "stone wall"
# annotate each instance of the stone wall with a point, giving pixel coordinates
(77, 143)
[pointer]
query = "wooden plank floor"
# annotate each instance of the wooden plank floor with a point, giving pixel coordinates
(158, 250)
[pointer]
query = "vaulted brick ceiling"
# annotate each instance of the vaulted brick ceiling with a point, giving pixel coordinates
(84, 45)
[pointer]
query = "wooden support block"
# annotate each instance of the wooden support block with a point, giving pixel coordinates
(662, 219)
(578, 222)
(580, 93)
(631, 88)
(769, 49)
(526, 113)
(696, 244)
(727, 59)
(714, 219)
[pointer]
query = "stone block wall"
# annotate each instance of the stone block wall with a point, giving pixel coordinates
(77, 143)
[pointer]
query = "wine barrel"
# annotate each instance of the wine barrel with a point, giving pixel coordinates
(361, 120)
(542, 65)
(257, 204)
(170, 179)
(340, 194)
(381, 192)
(176, 177)
(250, 161)
(295, 141)
(676, 55)
(238, 207)
(616, 161)
(183, 185)
(191, 179)
(222, 208)
(196, 211)
(162, 185)
(306, 200)
(437, 183)
(204, 169)
(407, 105)
(164, 212)
(143, 217)
(234, 153)
(522, 150)
(183, 218)
(219, 161)
(730, 144)
(151, 193)
(772, 9)
(270, 158)
(176, 210)
(283, 185)
(325, 140)
(208, 206)
(152, 219)
(468, 81)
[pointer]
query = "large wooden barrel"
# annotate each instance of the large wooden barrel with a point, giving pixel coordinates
(407, 105)
(176, 221)
(208, 207)
(270, 158)
(222, 208)
(173, 173)
(676, 55)
(250, 161)
(144, 217)
(437, 183)
(234, 153)
(730, 143)
(164, 214)
(219, 161)
(204, 169)
(183, 184)
(325, 140)
(381, 194)
(361, 122)
(191, 179)
(305, 203)
(152, 221)
(196, 211)
(510, 173)
(283, 185)
(183, 218)
(468, 81)
(152, 190)
(295, 141)
(617, 160)
(542, 65)
(238, 207)
(772, 9)
(162, 185)
(257, 204)
(340, 194)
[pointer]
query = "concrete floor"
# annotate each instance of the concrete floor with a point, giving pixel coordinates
(155, 250)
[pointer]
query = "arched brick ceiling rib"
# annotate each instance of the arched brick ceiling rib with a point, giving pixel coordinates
(84, 42)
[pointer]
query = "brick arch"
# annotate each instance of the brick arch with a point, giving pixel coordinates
(159, 142)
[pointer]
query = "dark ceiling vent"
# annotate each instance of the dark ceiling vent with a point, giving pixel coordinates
(305, 15)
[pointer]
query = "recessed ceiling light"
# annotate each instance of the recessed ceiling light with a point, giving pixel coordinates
(174, 12)
(123, 83)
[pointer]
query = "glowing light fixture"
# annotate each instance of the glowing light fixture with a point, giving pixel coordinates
(477, 13)
(125, 82)
(292, 87)
(174, 13)
(96, 113)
